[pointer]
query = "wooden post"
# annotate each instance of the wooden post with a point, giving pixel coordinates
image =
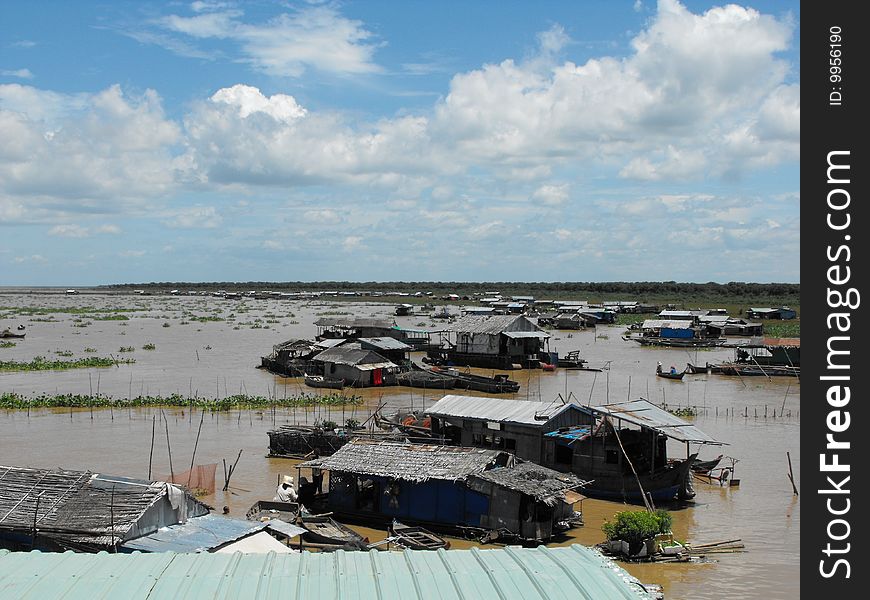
(791, 475)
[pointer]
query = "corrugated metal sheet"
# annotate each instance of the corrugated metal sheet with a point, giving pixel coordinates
(526, 334)
(659, 323)
(346, 355)
(646, 414)
(384, 343)
(488, 324)
(501, 410)
(508, 573)
(199, 534)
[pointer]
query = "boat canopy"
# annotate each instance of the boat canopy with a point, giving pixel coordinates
(646, 414)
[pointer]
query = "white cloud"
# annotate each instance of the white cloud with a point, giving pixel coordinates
(250, 100)
(33, 258)
(316, 37)
(132, 253)
(73, 231)
(352, 242)
(77, 231)
(551, 195)
(195, 217)
(20, 73)
(84, 152)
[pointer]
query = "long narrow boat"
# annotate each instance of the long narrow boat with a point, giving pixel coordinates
(319, 381)
(272, 509)
(326, 530)
(667, 375)
(417, 538)
(498, 384)
(705, 466)
(8, 334)
(421, 378)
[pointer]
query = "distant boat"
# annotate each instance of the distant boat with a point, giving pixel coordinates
(8, 334)
(417, 538)
(668, 375)
(497, 384)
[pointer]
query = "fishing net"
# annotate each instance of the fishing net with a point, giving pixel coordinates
(199, 480)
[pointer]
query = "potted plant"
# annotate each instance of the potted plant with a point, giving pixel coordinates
(635, 531)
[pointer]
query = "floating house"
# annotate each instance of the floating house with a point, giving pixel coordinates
(680, 333)
(334, 327)
(497, 342)
(403, 310)
(783, 312)
(356, 366)
(732, 325)
(388, 347)
(602, 444)
(784, 352)
(447, 487)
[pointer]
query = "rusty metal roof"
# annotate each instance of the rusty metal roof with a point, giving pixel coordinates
(647, 414)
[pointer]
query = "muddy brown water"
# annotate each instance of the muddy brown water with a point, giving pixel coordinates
(218, 358)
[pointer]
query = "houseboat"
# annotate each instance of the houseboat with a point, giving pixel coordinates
(621, 448)
(461, 490)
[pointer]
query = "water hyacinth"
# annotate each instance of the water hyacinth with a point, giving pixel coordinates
(13, 401)
(40, 363)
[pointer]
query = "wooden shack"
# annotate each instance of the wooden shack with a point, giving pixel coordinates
(496, 341)
(447, 488)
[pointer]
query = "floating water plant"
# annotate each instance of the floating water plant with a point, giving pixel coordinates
(13, 401)
(39, 363)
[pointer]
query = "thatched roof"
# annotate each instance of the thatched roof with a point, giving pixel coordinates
(410, 462)
(534, 480)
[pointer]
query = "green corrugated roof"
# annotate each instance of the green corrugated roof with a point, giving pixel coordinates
(511, 573)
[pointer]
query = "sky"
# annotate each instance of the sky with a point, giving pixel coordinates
(399, 141)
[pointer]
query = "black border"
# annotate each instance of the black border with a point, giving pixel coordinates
(827, 127)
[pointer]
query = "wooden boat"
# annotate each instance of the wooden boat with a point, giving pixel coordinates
(326, 530)
(705, 466)
(265, 510)
(697, 369)
(668, 375)
(676, 342)
(498, 384)
(572, 360)
(8, 334)
(319, 381)
(416, 538)
(421, 378)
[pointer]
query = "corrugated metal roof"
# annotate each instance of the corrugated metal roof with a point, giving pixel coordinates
(384, 343)
(511, 573)
(488, 324)
(526, 334)
(647, 414)
(659, 323)
(199, 534)
(500, 410)
(789, 342)
(347, 355)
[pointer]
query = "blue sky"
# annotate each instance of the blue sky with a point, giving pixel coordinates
(384, 140)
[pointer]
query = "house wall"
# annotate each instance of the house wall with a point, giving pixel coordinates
(432, 501)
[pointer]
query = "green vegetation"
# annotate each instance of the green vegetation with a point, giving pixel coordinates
(149, 346)
(126, 349)
(17, 402)
(39, 363)
(65, 353)
(7, 344)
(90, 350)
(636, 526)
(112, 318)
(783, 329)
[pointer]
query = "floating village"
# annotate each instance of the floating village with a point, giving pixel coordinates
(406, 446)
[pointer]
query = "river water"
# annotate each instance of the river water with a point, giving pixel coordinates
(210, 347)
